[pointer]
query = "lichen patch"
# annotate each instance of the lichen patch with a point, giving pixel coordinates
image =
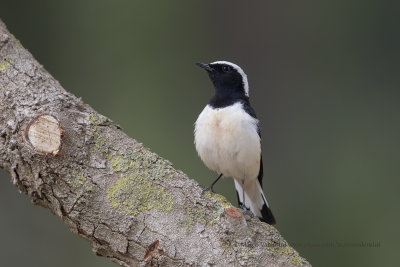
(132, 194)
(4, 64)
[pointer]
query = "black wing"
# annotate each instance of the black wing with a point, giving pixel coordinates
(249, 110)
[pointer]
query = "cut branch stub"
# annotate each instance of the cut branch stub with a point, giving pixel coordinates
(233, 212)
(44, 134)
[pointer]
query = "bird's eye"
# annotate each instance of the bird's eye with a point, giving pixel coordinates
(226, 68)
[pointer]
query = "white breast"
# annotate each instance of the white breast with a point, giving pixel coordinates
(227, 141)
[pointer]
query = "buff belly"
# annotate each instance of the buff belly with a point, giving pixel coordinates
(227, 141)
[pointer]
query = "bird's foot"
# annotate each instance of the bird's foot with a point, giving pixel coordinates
(210, 188)
(245, 210)
(243, 207)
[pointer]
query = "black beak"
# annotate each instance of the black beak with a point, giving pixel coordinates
(207, 67)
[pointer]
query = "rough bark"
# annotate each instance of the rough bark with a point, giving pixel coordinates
(129, 203)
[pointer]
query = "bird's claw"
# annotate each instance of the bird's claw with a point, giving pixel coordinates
(206, 189)
(245, 210)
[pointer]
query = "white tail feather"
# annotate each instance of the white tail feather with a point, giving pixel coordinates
(254, 196)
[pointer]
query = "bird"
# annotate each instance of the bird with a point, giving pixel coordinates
(228, 140)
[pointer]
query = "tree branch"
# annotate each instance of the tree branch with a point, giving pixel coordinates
(129, 203)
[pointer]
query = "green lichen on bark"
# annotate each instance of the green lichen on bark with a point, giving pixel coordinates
(18, 41)
(142, 161)
(132, 193)
(195, 215)
(220, 203)
(120, 163)
(95, 119)
(76, 179)
(139, 188)
(101, 144)
(4, 64)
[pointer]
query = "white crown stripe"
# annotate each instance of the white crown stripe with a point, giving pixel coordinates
(241, 72)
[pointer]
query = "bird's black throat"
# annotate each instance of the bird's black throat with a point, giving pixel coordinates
(225, 96)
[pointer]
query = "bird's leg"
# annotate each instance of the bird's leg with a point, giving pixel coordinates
(243, 206)
(211, 186)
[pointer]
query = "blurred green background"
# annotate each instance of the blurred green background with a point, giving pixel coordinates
(324, 78)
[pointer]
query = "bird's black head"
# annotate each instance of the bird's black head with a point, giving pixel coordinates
(229, 79)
